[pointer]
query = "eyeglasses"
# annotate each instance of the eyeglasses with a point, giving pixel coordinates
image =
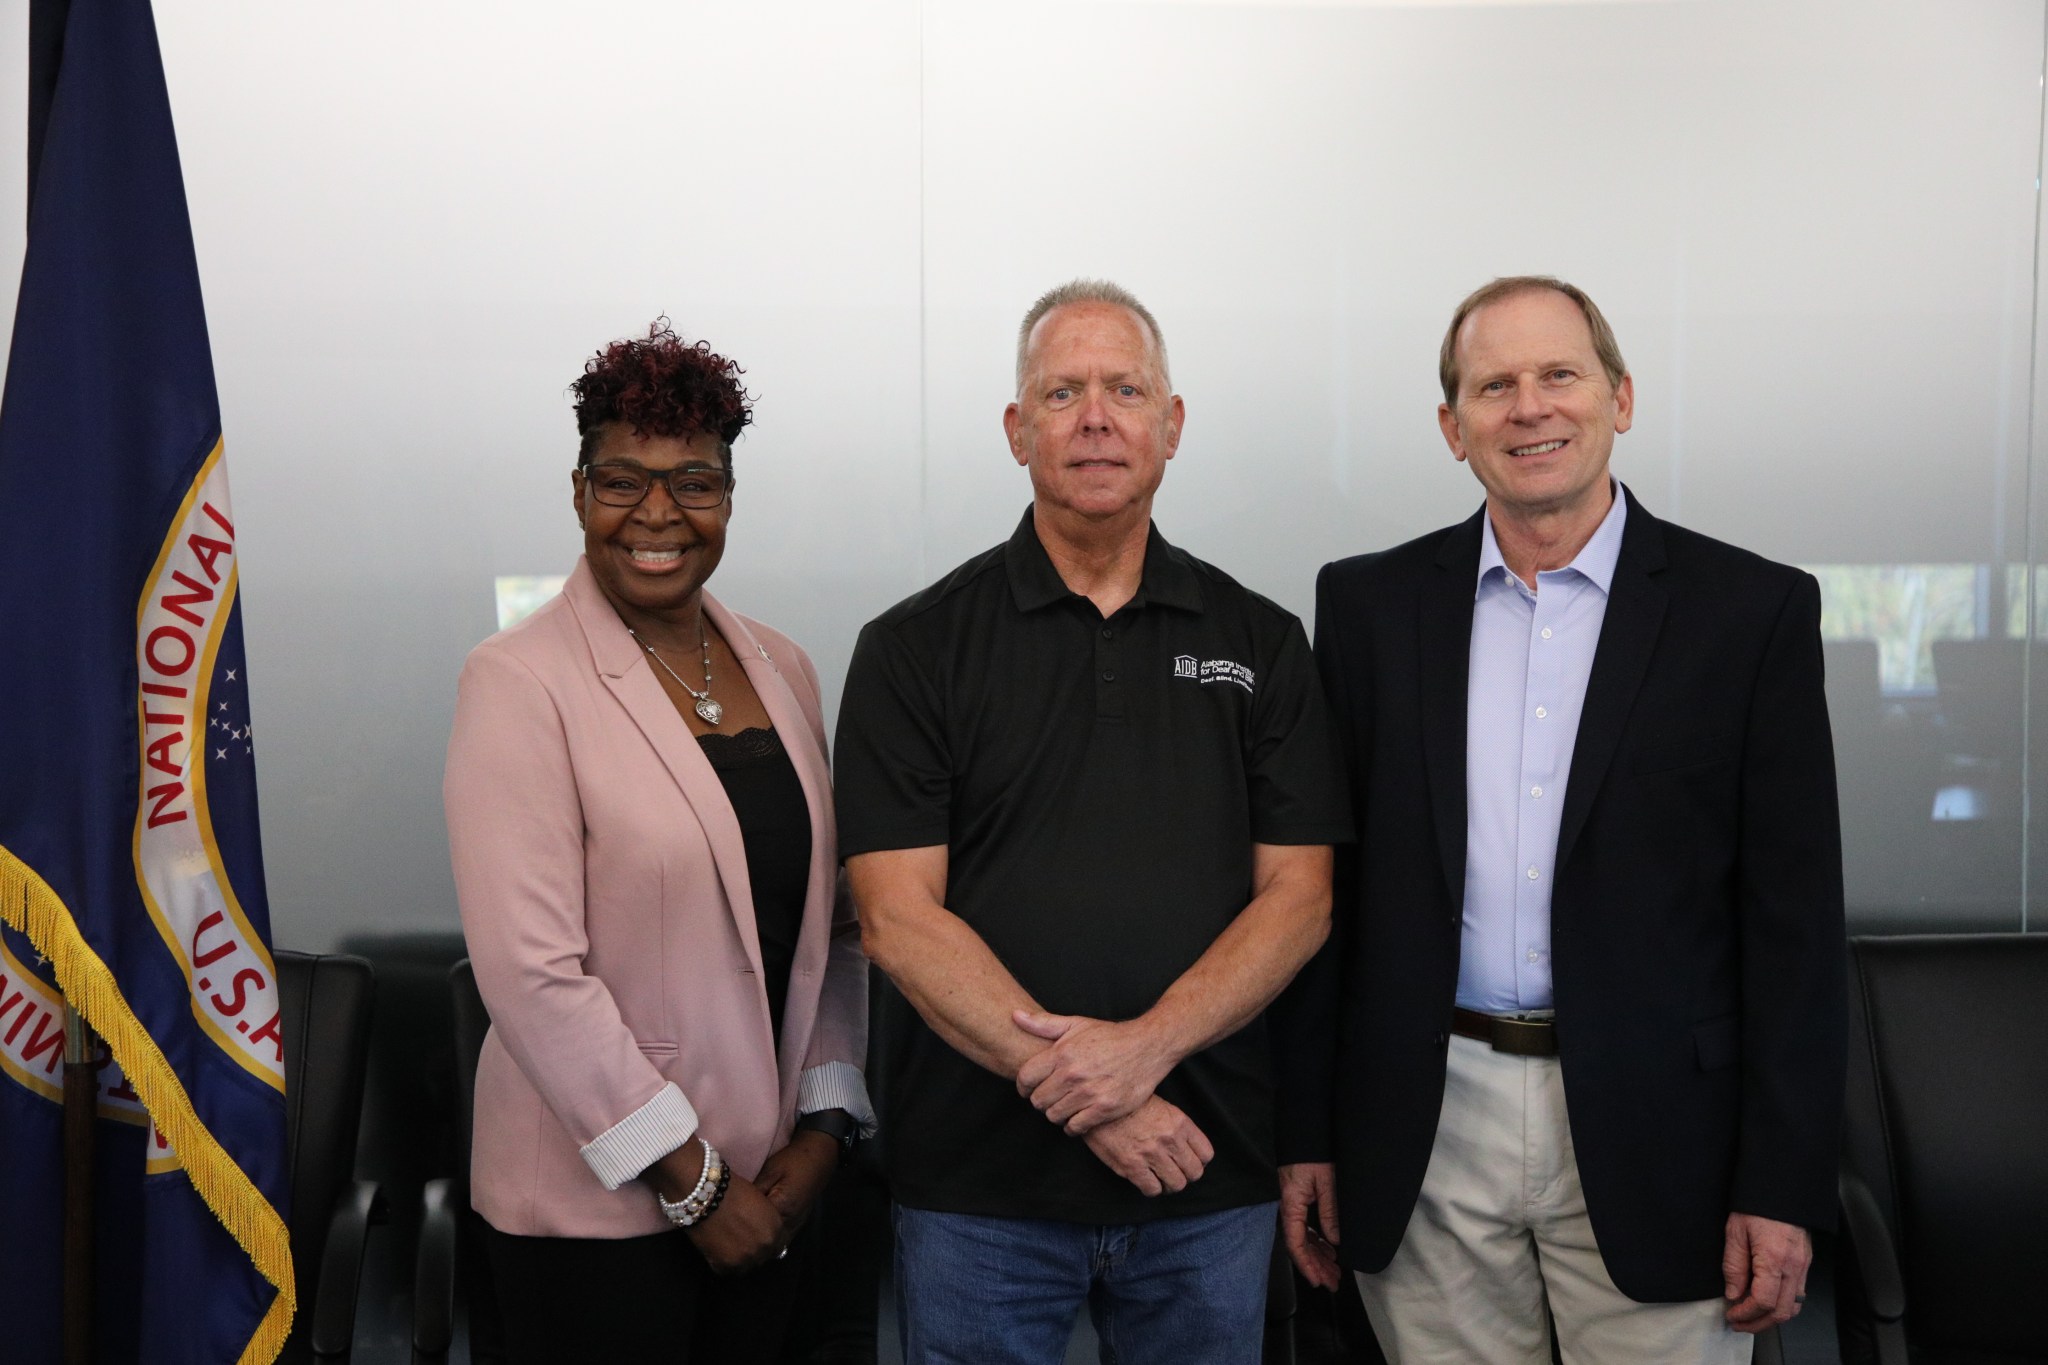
(625, 485)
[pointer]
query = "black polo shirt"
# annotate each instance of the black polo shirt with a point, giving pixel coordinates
(1099, 785)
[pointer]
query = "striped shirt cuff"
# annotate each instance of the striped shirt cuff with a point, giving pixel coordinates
(643, 1137)
(836, 1085)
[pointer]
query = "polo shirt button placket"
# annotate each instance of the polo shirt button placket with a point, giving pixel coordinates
(1108, 699)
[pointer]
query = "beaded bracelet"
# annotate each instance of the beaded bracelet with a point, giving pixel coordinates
(695, 1206)
(717, 1195)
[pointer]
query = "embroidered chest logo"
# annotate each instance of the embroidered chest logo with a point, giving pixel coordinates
(1206, 671)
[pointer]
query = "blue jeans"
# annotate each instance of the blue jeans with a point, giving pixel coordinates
(1004, 1291)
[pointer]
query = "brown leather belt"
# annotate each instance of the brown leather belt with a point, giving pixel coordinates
(1521, 1037)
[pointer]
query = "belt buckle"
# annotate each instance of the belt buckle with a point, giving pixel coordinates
(1522, 1036)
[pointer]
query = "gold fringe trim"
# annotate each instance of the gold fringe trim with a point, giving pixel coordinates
(29, 905)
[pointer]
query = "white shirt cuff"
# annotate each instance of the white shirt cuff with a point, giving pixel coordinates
(643, 1137)
(836, 1085)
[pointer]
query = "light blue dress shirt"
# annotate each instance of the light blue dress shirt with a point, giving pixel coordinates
(1532, 652)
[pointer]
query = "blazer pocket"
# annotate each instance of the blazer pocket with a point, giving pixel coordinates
(1717, 1041)
(657, 1049)
(1688, 751)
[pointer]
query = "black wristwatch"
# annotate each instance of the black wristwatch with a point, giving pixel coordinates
(836, 1124)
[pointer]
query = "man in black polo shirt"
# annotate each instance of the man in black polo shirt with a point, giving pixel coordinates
(1086, 792)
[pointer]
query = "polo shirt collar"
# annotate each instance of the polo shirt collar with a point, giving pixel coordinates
(1595, 560)
(1168, 579)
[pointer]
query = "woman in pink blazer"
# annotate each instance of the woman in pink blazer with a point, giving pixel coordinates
(641, 821)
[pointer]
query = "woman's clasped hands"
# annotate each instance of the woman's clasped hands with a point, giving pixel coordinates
(758, 1218)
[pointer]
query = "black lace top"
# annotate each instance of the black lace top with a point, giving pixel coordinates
(775, 825)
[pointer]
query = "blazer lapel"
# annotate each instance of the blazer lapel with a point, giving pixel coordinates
(1628, 636)
(630, 677)
(804, 744)
(1446, 658)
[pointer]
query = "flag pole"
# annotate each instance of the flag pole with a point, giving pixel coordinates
(81, 1096)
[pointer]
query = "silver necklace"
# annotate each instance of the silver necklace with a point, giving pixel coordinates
(710, 710)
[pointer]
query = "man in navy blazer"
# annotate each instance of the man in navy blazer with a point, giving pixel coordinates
(1574, 1053)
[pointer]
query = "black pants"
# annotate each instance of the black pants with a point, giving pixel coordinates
(571, 1299)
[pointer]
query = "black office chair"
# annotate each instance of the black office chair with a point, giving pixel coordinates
(450, 1231)
(325, 1001)
(1945, 1164)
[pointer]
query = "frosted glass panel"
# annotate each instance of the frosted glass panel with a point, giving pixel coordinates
(1813, 226)
(414, 223)
(1813, 223)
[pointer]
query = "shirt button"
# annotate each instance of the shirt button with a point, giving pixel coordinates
(1546, 632)
(1109, 632)
(1109, 675)
(1532, 954)
(1533, 874)
(1541, 713)
(1535, 791)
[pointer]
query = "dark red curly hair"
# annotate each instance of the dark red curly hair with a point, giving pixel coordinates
(662, 386)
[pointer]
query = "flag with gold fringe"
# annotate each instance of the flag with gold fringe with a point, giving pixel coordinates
(131, 876)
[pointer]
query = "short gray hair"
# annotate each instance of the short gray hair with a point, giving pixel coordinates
(1090, 291)
(1509, 286)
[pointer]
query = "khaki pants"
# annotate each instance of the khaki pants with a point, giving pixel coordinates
(1500, 1231)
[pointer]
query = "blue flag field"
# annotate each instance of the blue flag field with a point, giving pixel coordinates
(131, 872)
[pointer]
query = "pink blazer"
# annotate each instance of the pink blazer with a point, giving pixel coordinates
(604, 895)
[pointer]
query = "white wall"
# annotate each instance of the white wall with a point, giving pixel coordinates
(1813, 223)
